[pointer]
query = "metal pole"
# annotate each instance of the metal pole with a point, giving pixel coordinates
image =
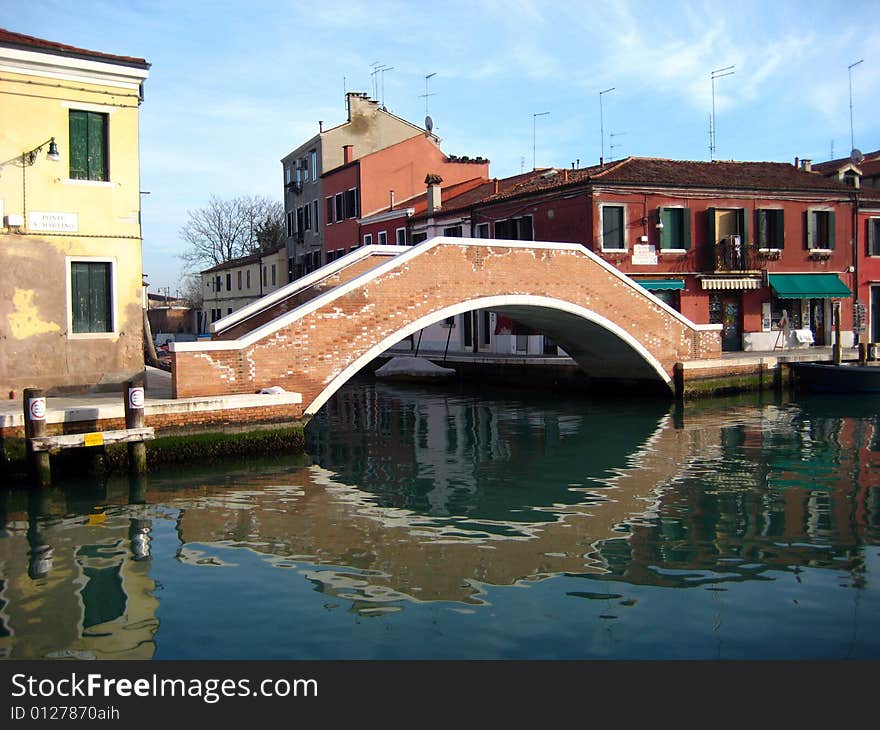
(852, 139)
(716, 74)
(534, 118)
(602, 122)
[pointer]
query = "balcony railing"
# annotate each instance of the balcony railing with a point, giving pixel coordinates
(732, 254)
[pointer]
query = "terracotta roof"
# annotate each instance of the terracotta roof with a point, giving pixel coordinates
(10, 39)
(717, 174)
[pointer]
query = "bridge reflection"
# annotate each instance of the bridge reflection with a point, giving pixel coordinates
(419, 498)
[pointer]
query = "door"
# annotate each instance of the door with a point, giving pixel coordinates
(726, 309)
(817, 321)
(875, 313)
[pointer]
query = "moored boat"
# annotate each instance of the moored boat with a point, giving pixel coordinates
(844, 378)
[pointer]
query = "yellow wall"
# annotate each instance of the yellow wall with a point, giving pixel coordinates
(37, 348)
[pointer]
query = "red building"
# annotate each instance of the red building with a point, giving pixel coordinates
(735, 243)
(373, 183)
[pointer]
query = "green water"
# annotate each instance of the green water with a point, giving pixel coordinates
(457, 523)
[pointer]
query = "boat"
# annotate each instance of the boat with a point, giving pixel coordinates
(845, 378)
(413, 370)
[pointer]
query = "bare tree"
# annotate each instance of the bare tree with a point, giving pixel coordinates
(227, 229)
(191, 288)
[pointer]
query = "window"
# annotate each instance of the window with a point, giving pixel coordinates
(340, 252)
(613, 222)
(351, 203)
(265, 271)
(401, 236)
(331, 256)
(482, 230)
(419, 237)
(287, 176)
(368, 239)
(307, 218)
(820, 229)
(315, 214)
(218, 287)
(274, 279)
(340, 208)
(313, 156)
(300, 220)
(91, 296)
(452, 232)
(873, 237)
(88, 145)
(229, 310)
(229, 281)
(289, 223)
(769, 228)
(330, 211)
(515, 229)
(676, 231)
(383, 238)
(248, 278)
(239, 280)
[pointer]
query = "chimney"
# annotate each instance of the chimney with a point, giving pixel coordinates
(797, 162)
(347, 153)
(320, 126)
(433, 183)
(496, 186)
(391, 200)
(807, 165)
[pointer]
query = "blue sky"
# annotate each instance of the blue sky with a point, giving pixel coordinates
(234, 86)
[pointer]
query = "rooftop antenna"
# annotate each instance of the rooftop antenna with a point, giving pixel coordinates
(602, 122)
(534, 119)
(852, 138)
(374, 70)
(382, 70)
(426, 94)
(611, 146)
(716, 74)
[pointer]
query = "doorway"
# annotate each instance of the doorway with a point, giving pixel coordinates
(725, 308)
(875, 313)
(817, 321)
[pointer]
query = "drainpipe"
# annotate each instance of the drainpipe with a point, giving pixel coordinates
(855, 244)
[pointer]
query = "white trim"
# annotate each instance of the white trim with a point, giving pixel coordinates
(302, 283)
(368, 239)
(483, 303)
(602, 207)
(400, 256)
(50, 64)
(397, 236)
(114, 299)
(380, 235)
(387, 215)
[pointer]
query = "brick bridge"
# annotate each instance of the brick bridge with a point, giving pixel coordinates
(314, 334)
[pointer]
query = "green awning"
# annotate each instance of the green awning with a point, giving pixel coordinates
(809, 286)
(658, 284)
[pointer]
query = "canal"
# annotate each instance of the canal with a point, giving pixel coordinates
(469, 523)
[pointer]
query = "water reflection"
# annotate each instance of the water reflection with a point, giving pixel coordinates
(702, 528)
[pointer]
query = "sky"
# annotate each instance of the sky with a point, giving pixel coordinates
(235, 86)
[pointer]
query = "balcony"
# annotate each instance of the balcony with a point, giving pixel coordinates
(731, 254)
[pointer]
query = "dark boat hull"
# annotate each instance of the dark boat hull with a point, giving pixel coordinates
(827, 378)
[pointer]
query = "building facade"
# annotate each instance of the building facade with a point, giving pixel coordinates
(233, 284)
(369, 127)
(71, 315)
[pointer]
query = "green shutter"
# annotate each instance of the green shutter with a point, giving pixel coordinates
(779, 228)
(712, 239)
(872, 236)
(744, 227)
(97, 147)
(808, 227)
(686, 228)
(79, 162)
(90, 297)
(79, 286)
(831, 230)
(663, 216)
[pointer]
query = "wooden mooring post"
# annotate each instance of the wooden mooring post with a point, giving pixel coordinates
(134, 418)
(34, 403)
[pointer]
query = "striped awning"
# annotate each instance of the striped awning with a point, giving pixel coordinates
(660, 284)
(717, 283)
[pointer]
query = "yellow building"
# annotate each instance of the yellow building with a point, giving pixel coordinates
(71, 295)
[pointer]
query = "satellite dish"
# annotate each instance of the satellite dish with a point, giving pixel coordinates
(429, 124)
(856, 156)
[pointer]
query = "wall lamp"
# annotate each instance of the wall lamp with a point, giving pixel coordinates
(30, 157)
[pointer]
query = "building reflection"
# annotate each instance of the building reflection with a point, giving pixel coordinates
(431, 498)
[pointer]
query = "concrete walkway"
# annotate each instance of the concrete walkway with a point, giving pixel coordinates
(158, 400)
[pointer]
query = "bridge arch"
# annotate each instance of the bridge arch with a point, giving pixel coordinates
(602, 318)
(555, 317)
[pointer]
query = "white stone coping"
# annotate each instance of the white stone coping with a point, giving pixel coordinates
(399, 260)
(302, 283)
(103, 409)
